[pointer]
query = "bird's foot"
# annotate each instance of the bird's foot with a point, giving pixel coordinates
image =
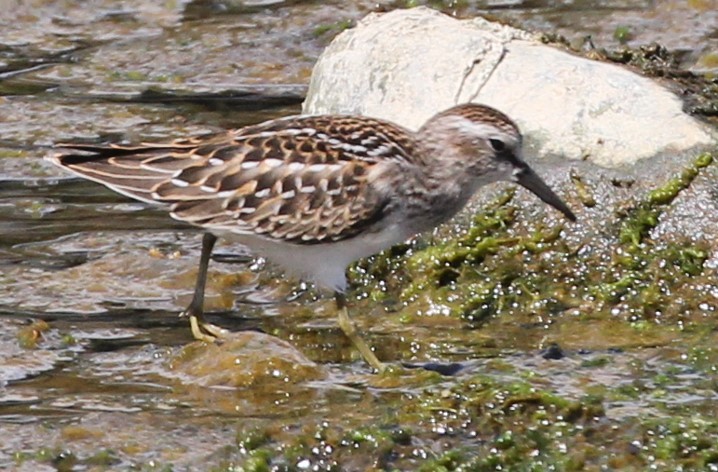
(202, 330)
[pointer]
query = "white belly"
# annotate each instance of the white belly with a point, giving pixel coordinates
(324, 264)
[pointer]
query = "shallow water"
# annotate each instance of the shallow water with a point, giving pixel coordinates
(98, 372)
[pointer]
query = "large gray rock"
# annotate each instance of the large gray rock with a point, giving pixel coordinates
(408, 64)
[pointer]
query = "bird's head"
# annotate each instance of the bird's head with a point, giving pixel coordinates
(484, 145)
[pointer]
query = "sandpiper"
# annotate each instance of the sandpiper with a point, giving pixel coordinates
(315, 193)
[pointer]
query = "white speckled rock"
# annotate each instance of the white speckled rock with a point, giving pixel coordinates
(408, 64)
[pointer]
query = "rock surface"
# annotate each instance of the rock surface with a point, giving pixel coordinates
(408, 64)
(244, 359)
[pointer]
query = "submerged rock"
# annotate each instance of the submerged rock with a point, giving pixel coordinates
(244, 359)
(408, 64)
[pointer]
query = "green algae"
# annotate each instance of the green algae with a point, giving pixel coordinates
(623, 34)
(12, 153)
(334, 28)
(582, 190)
(645, 273)
(500, 267)
(482, 423)
(644, 216)
(60, 459)
(688, 442)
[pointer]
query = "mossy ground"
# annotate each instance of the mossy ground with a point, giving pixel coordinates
(634, 292)
(626, 380)
(497, 268)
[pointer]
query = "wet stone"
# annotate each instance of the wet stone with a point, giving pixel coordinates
(553, 352)
(242, 360)
(19, 356)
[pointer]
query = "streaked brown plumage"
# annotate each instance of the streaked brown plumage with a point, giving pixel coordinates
(315, 193)
(295, 180)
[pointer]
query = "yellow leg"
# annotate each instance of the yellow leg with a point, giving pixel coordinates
(346, 325)
(201, 330)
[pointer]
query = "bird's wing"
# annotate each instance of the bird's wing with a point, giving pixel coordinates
(302, 180)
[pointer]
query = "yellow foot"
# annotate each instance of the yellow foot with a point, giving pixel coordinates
(203, 331)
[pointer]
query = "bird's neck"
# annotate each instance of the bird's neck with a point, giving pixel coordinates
(440, 190)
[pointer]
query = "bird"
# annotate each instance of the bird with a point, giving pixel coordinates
(315, 193)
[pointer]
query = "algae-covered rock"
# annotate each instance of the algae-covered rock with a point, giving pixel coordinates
(244, 359)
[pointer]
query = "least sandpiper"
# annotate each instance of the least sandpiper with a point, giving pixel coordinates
(315, 193)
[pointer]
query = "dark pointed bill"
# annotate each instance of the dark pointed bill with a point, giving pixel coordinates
(530, 180)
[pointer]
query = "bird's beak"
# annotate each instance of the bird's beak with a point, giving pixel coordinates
(530, 180)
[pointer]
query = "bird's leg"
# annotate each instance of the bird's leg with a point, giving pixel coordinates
(201, 330)
(351, 332)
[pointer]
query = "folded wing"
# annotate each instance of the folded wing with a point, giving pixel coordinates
(303, 180)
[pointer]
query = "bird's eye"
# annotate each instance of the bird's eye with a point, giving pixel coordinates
(497, 144)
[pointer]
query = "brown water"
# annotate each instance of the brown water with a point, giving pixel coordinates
(98, 372)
